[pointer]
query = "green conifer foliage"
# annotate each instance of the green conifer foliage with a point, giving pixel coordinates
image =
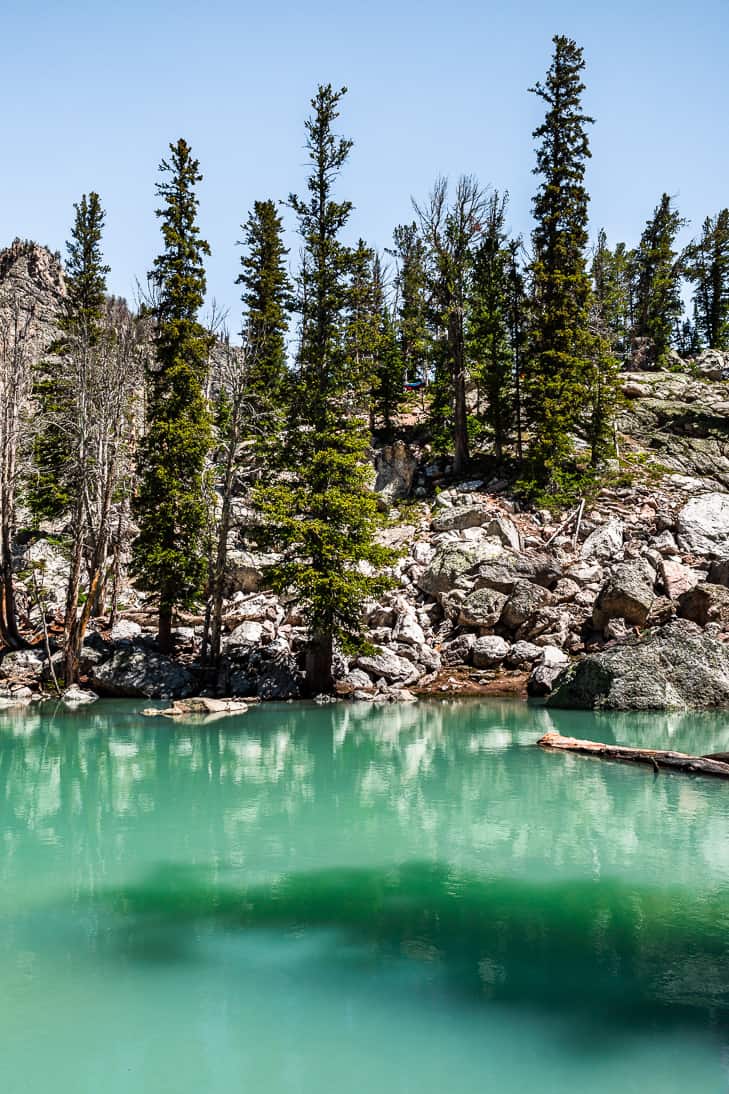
(612, 293)
(390, 369)
(488, 331)
(412, 307)
(266, 299)
(706, 264)
(168, 555)
(560, 362)
(362, 316)
(323, 514)
(451, 231)
(610, 325)
(657, 281)
(55, 479)
(517, 306)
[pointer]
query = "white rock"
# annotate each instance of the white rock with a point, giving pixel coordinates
(553, 657)
(75, 696)
(125, 630)
(605, 543)
(703, 525)
(489, 651)
(246, 634)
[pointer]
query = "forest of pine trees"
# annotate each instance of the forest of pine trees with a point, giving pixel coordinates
(502, 350)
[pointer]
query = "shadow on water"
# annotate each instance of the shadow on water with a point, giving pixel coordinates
(599, 953)
(511, 875)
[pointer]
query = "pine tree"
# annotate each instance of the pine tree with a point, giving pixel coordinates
(57, 478)
(489, 334)
(560, 361)
(362, 316)
(389, 380)
(266, 300)
(82, 325)
(612, 293)
(657, 281)
(451, 232)
(412, 309)
(706, 264)
(610, 325)
(323, 514)
(516, 315)
(168, 556)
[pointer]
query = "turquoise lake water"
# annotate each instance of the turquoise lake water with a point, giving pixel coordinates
(357, 899)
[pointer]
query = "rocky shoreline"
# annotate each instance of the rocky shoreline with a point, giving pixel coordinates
(487, 599)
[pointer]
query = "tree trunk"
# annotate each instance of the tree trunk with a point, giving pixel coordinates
(674, 761)
(319, 659)
(70, 665)
(460, 418)
(164, 636)
(8, 615)
(221, 557)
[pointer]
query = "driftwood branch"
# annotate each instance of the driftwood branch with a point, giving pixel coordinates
(576, 514)
(674, 761)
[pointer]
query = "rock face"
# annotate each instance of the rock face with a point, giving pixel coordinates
(32, 277)
(606, 542)
(266, 672)
(627, 594)
(386, 665)
(395, 467)
(703, 525)
(245, 572)
(482, 608)
(142, 672)
(712, 364)
(489, 651)
(704, 604)
(676, 667)
(454, 560)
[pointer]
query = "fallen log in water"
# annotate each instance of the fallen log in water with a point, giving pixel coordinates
(655, 758)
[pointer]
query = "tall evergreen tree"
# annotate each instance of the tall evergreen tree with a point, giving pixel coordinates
(82, 325)
(657, 281)
(706, 264)
(168, 555)
(56, 482)
(610, 325)
(558, 375)
(412, 309)
(611, 285)
(362, 315)
(517, 309)
(389, 378)
(323, 514)
(451, 232)
(489, 334)
(266, 300)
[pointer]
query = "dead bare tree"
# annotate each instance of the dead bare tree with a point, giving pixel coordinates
(108, 379)
(235, 451)
(17, 354)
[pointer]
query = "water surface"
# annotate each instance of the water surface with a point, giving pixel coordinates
(348, 898)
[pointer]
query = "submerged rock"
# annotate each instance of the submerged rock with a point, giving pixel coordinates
(676, 667)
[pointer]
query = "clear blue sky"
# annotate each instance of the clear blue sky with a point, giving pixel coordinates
(94, 92)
